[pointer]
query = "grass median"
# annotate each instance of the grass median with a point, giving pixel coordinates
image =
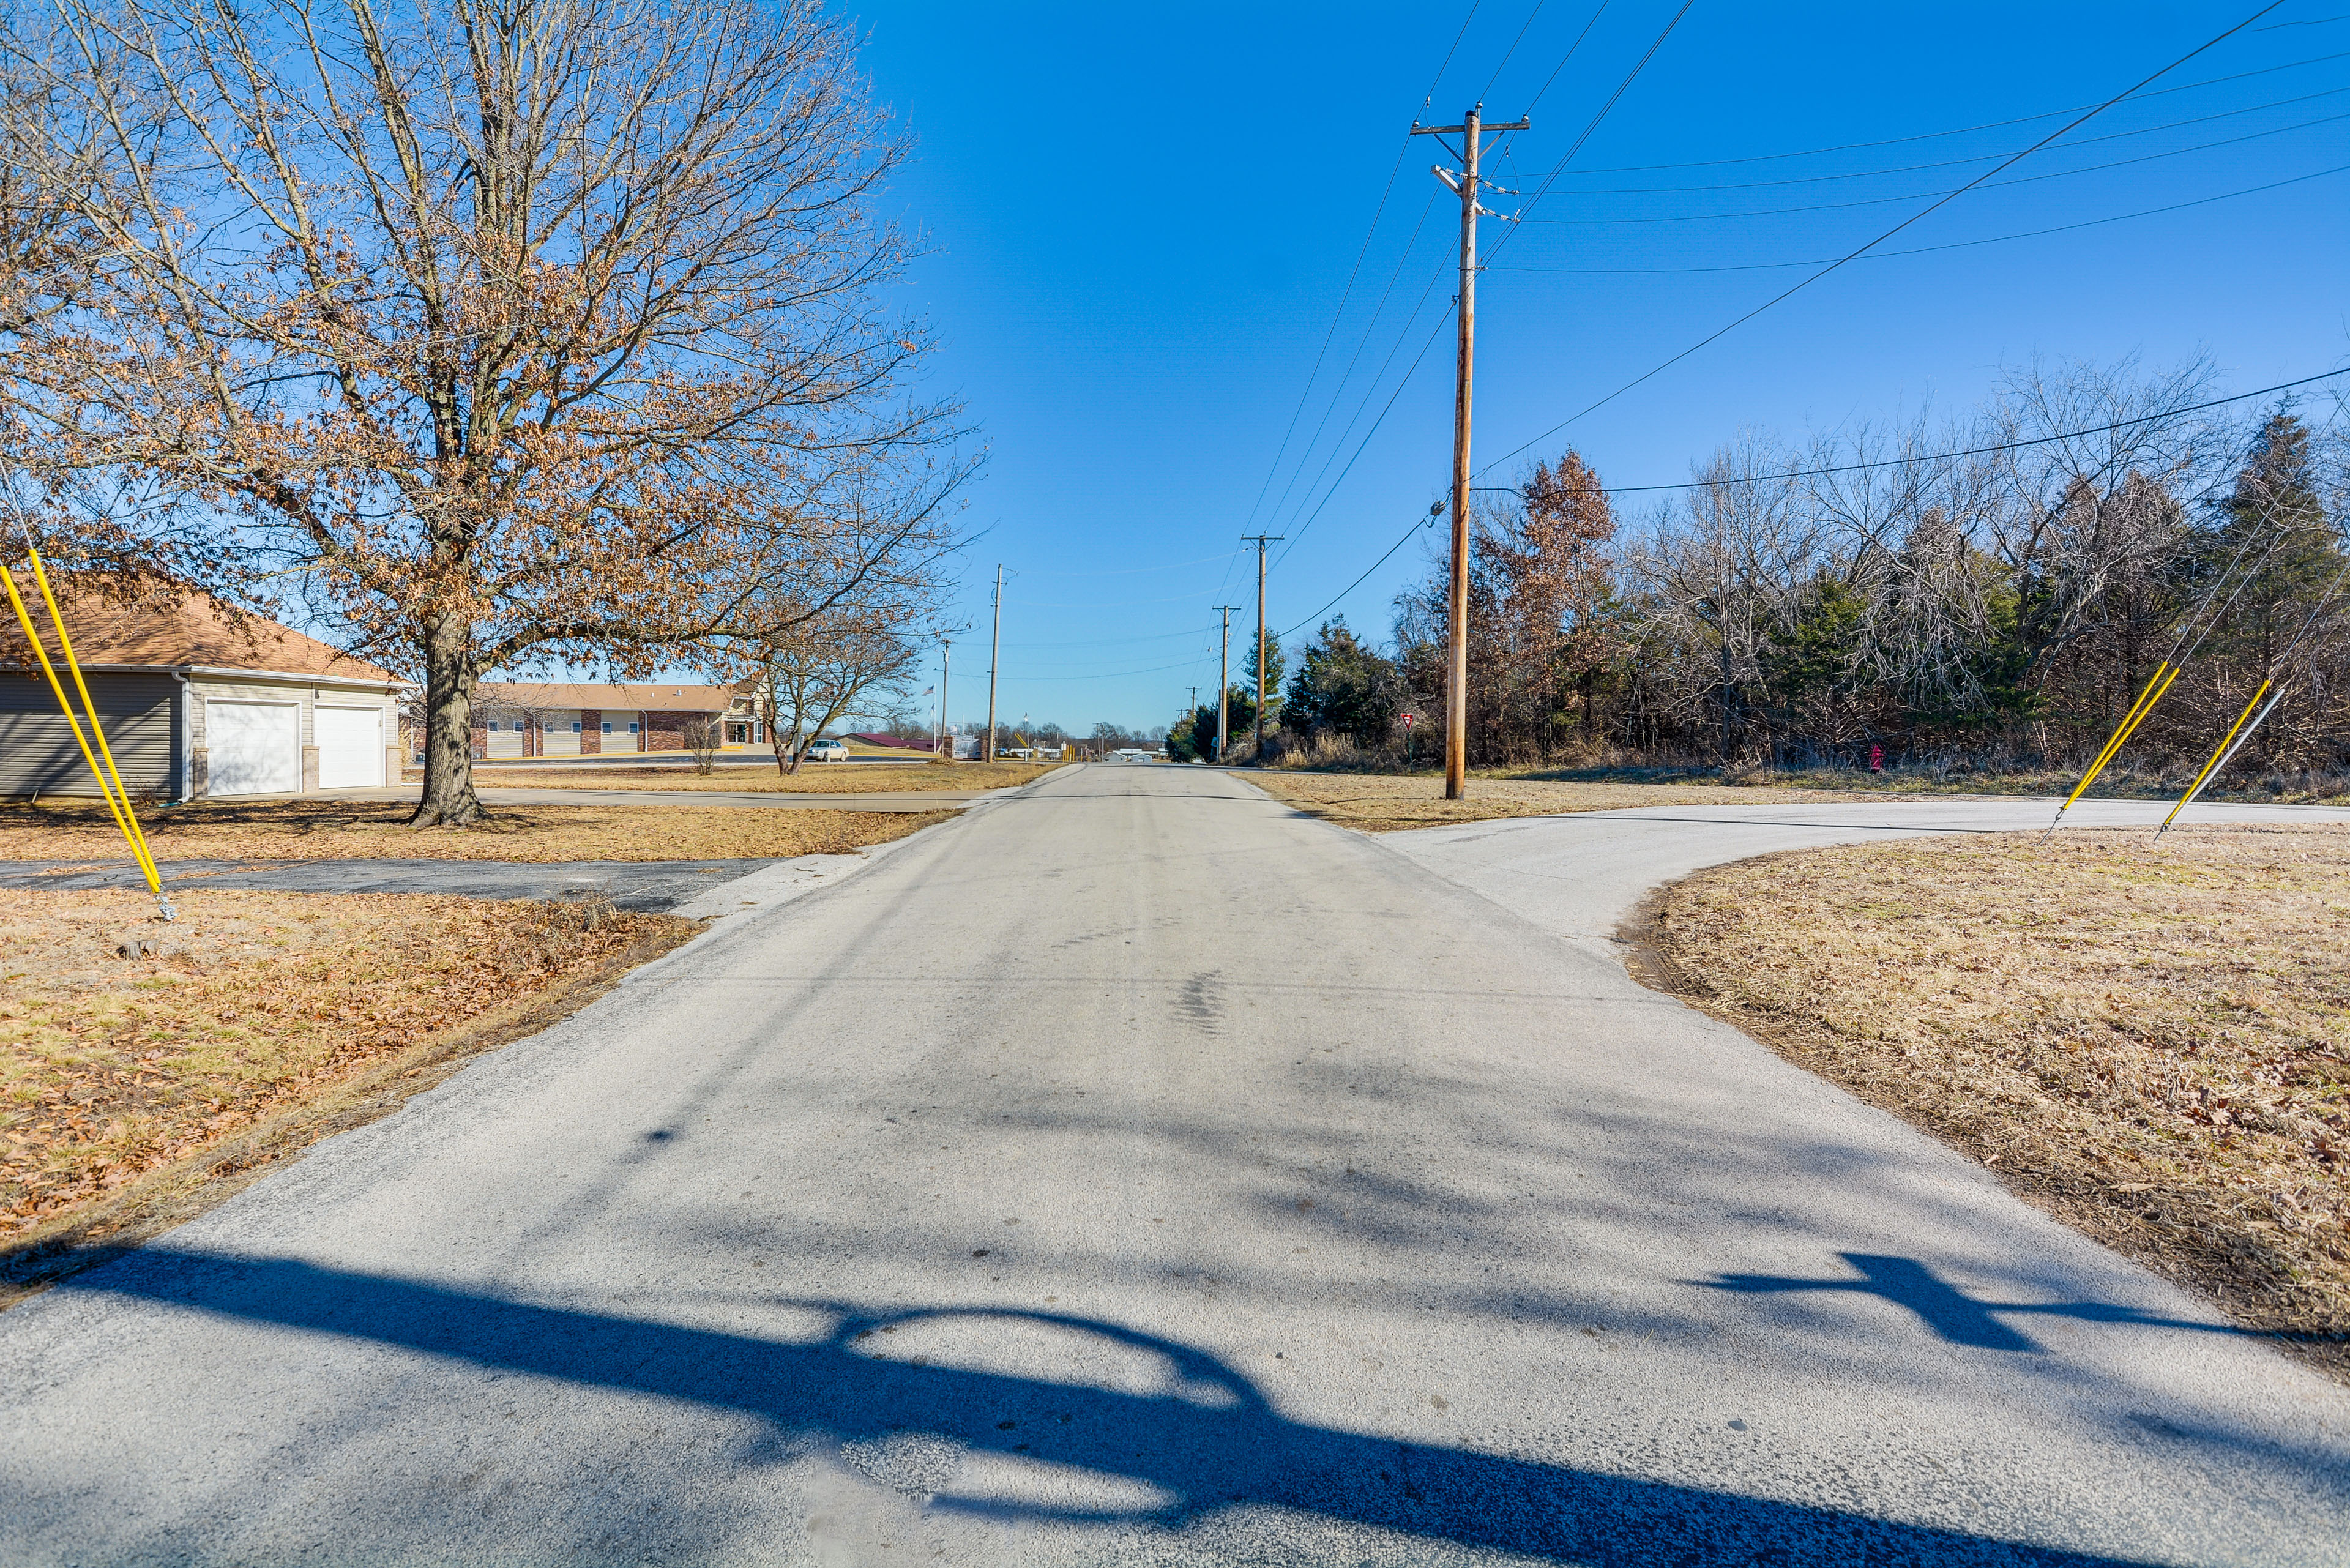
(2150, 1041)
(377, 830)
(139, 1085)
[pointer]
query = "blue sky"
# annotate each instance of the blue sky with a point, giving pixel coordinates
(1142, 221)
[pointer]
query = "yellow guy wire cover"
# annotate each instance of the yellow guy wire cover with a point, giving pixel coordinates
(2218, 754)
(41, 652)
(97, 730)
(2146, 699)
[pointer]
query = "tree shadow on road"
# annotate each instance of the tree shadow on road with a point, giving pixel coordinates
(1176, 1438)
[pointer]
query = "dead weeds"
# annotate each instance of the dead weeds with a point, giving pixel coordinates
(132, 1087)
(372, 830)
(2150, 1041)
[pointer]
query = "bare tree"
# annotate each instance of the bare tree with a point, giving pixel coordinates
(704, 739)
(824, 671)
(510, 330)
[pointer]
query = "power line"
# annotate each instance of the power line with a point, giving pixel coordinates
(1527, 111)
(1937, 456)
(1920, 195)
(1299, 529)
(1962, 131)
(1306, 392)
(1427, 522)
(1914, 217)
(1132, 571)
(1952, 246)
(1361, 447)
(1955, 162)
(1362, 343)
(1513, 49)
(1621, 87)
(1370, 391)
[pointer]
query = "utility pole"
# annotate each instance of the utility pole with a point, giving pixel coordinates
(946, 666)
(1261, 541)
(995, 647)
(1472, 131)
(1224, 683)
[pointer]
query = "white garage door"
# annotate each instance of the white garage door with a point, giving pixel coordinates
(252, 748)
(350, 746)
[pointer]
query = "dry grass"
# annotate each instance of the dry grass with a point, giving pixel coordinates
(2133, 781)
(813, 778)
(539, 835)
(258, 1020)
(2151, 1042)
(1384, 802)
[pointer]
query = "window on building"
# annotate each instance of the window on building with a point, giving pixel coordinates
(574, 726)
(493, 726)
(608, 726)
(632, 726)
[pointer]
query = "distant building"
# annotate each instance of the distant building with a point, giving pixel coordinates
(197, 700)
(514, 720)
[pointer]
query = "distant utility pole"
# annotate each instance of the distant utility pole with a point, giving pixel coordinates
(1261, 541)
(1224, 683)
(1466, 184)
(995, 647)
(946, 666)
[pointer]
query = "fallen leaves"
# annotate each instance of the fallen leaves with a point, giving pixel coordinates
(106, 1075)
(367, 830)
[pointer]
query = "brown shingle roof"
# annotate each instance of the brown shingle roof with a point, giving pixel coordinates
(650, 696)
(197, 631)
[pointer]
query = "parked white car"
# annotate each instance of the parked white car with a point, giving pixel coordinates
(827, 752)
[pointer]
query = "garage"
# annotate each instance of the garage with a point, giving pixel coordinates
(350, 746)
(253, 748)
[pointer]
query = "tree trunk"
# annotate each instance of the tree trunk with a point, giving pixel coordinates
(449, 799)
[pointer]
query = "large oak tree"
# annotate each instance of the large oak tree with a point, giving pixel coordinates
(502, 331)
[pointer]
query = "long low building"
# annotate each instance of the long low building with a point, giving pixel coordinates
(514, 720)
(197, 702)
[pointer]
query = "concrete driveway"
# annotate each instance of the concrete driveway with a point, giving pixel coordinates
(1132, 1170)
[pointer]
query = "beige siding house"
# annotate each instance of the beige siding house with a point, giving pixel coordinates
(198, 702)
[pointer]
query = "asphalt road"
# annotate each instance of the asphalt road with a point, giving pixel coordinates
(1131, 1170)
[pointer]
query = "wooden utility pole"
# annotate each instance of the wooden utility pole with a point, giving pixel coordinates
(995, 647)
(1472, 131)
(1261, 541)
(946, 667)
(1224, 683)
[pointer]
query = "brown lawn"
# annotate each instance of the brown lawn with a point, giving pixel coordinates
(345, 829)
(2152, 1042)
(813, 778)
(1382, 803)
(134, 1091)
